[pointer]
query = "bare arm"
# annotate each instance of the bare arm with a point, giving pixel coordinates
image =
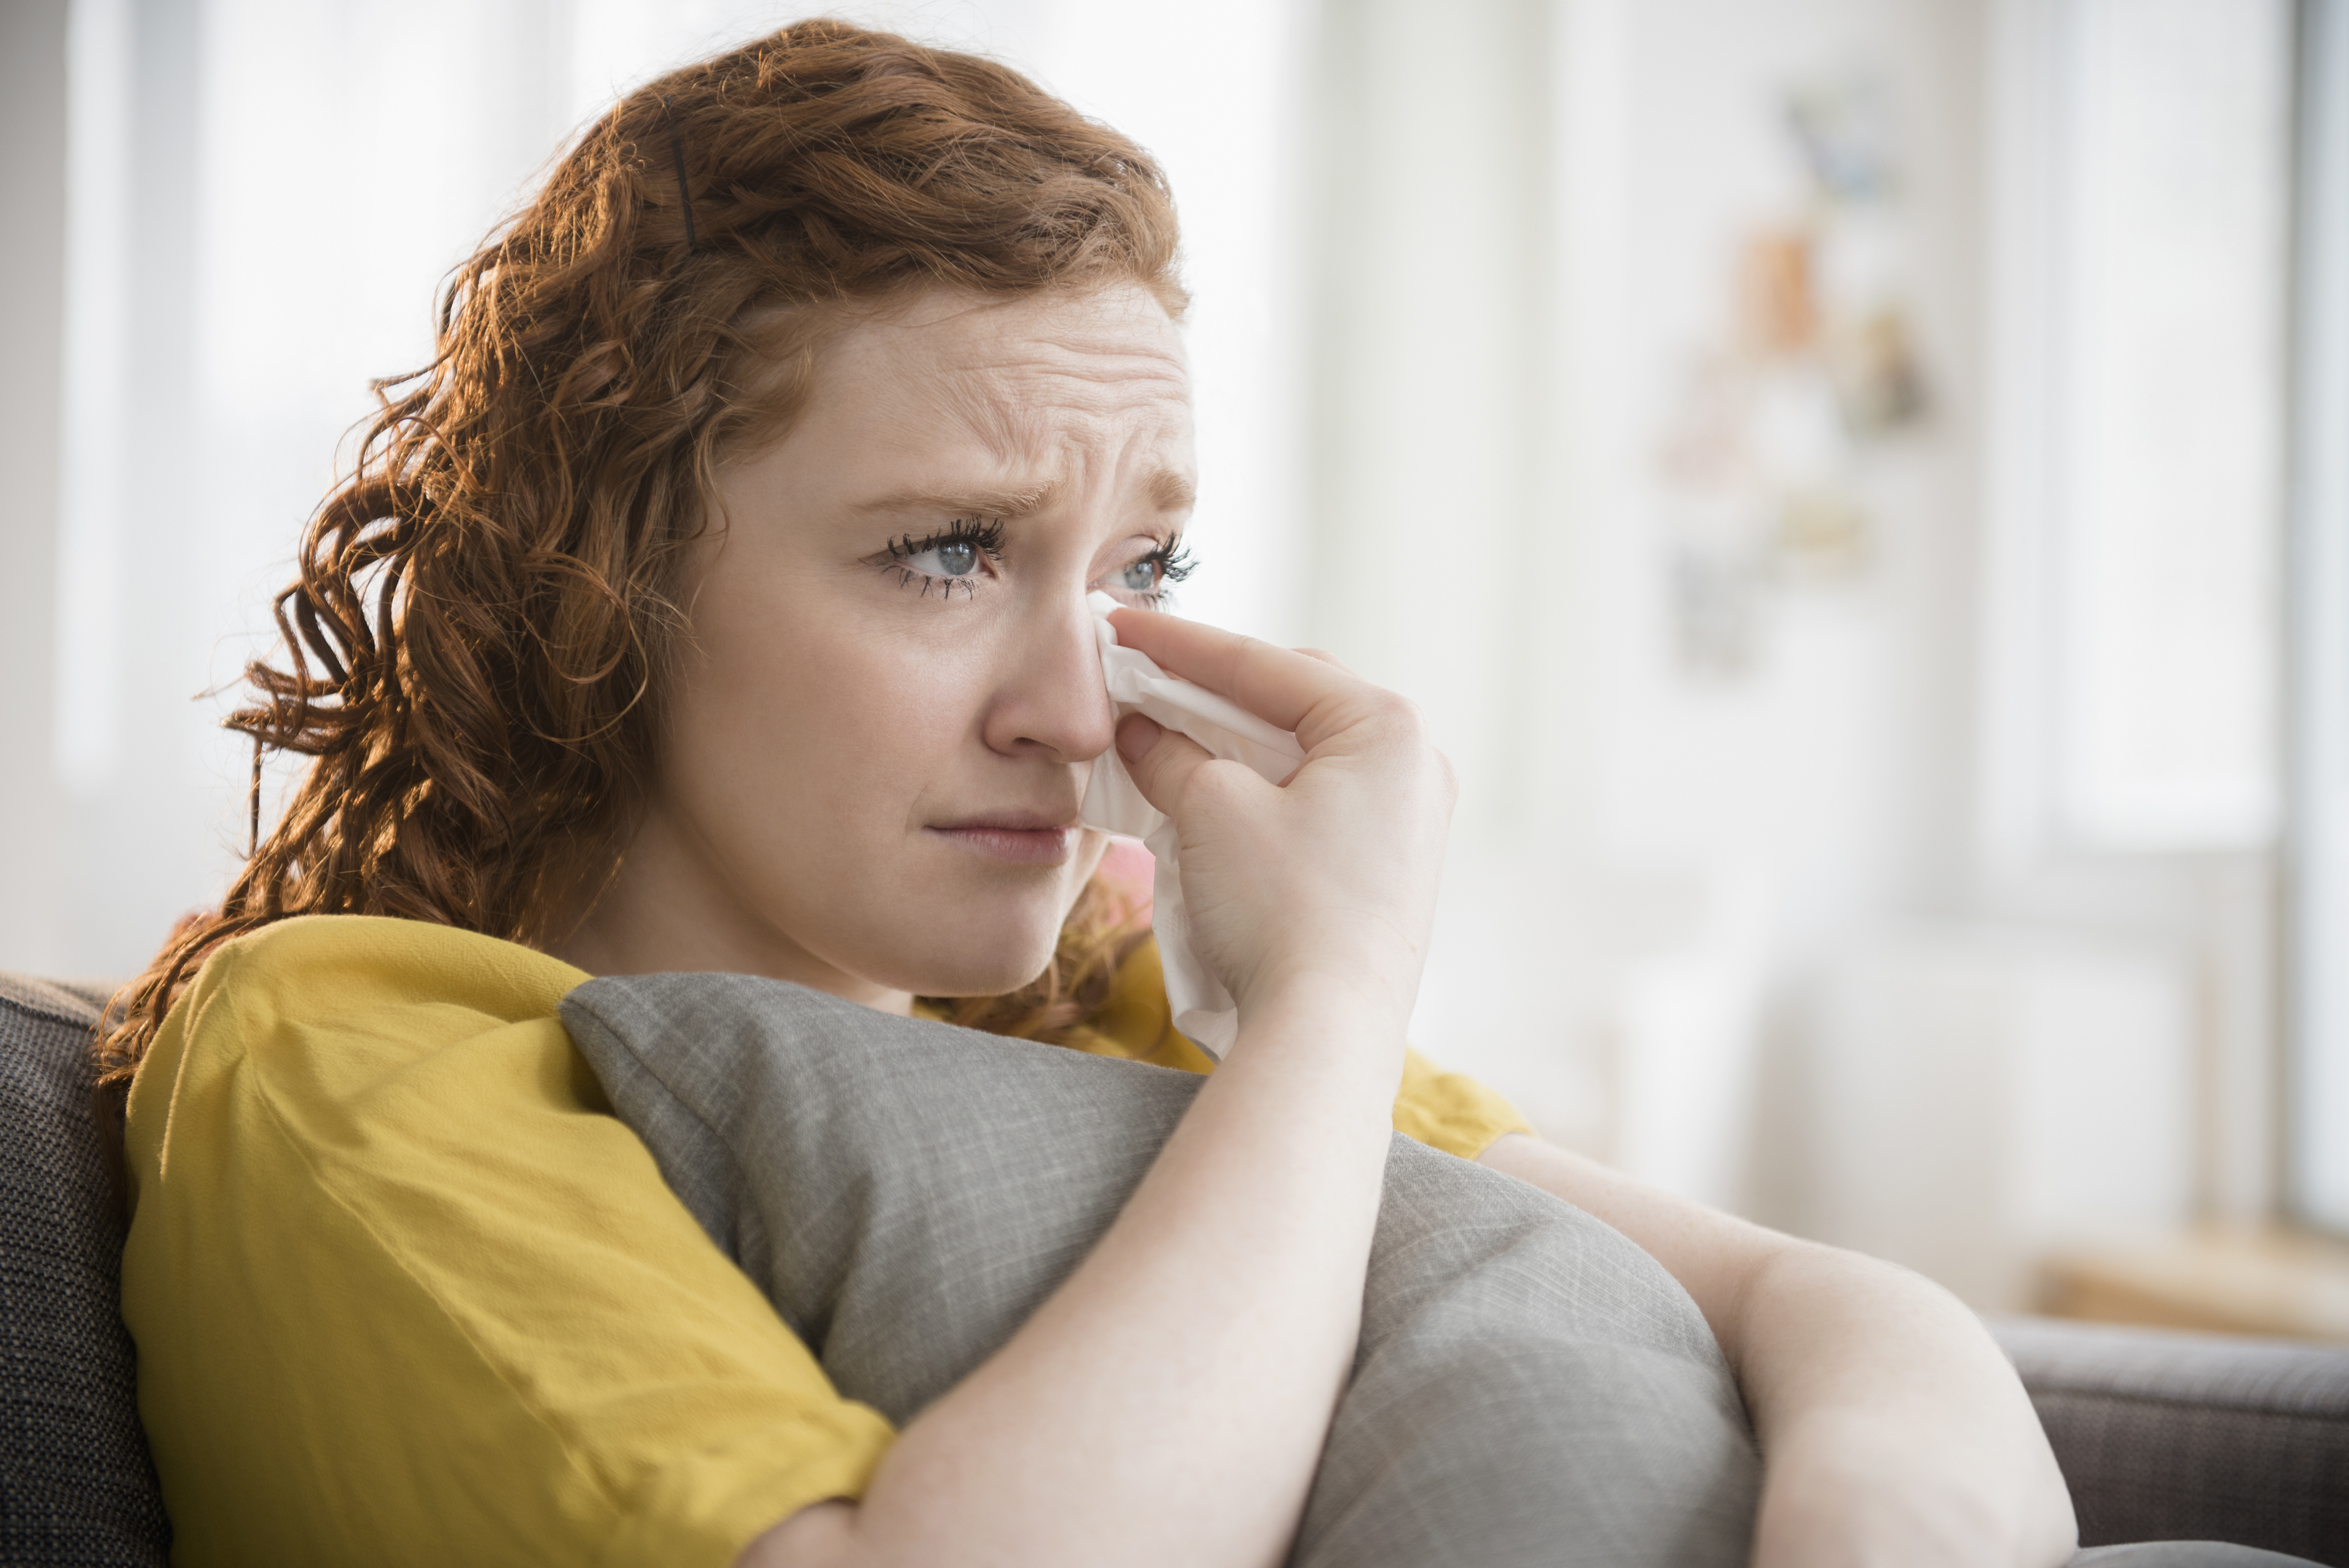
(1167, 1405)
(1893, 1431)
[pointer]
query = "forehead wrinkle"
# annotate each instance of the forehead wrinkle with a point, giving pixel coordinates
(1006, 428)
(1120, 366)
(1016, 405)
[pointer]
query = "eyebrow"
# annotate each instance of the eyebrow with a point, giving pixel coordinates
(977, 502)
(1167, 489)
(1171, 491)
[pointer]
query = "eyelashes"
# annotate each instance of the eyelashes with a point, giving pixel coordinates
(956, 557)
(1161, 569)
(946, 560)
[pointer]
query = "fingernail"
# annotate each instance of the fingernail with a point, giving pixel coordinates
(1135, 737)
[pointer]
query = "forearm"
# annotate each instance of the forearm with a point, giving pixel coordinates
(1168, 1403)
(1892, 1429)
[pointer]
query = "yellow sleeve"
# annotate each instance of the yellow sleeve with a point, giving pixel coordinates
(404, 1291)
(1443, 1110)
(1451, 1111)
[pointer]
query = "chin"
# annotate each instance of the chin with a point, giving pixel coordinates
(953, 926)
(984, 974)
(993, 946)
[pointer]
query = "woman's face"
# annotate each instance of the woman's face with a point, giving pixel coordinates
(884, 715)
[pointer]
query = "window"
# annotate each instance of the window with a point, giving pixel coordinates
(2169, 408)
(2318, 879)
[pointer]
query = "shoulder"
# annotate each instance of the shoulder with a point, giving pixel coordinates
(307, 1020)
(366, 1161)
(351, 971)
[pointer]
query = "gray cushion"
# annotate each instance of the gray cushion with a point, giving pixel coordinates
(75, 1484)
(1530, 1387)
(2170, 1435)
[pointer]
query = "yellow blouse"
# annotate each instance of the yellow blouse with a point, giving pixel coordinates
(405, 1291)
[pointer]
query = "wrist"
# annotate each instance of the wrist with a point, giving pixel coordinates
(1371, 975)
(1314, 1016)
(1307, 993)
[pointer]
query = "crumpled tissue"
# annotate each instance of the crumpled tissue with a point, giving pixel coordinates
(1204, 1010)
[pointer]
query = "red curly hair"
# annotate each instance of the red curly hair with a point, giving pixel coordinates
(474, 647)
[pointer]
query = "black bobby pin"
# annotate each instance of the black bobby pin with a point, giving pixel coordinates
(676, 157)
(253, 844)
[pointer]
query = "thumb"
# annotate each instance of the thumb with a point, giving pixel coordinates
(1159, 760)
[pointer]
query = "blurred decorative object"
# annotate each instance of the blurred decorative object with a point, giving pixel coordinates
(1825, 530)
(1879, 384)
(1768, 443)
(1843, 129)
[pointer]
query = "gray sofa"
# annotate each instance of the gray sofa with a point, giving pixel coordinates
(2162, 1436)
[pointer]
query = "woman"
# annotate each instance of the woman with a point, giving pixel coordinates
(715, 601)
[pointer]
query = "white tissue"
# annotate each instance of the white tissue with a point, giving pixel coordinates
(1204, 1010)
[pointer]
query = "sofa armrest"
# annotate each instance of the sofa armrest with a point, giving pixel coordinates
(2167, 1436)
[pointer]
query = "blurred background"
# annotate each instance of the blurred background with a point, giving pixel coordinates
(1861, 486)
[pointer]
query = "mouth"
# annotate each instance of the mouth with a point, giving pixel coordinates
(1016, 837)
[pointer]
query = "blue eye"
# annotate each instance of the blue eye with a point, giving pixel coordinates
(956, 558)
(946, 561)
(1149, 578)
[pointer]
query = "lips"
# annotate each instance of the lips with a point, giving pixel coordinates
(1016, 837)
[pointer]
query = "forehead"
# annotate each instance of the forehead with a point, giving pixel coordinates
(1020, 375)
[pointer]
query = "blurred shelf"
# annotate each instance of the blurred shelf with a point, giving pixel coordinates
(2268, 1281)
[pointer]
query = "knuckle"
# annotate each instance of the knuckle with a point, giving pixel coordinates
(1213, 782)
(1401, 716)
(1247, 650)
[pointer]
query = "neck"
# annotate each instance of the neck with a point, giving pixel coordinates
(665, 913)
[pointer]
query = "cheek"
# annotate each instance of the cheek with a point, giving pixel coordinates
(850, 726)
(810, 749)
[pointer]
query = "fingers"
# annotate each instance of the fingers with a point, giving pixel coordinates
(1279, 685)
(1159, 760)
(1327, 657)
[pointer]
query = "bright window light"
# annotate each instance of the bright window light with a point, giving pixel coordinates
(2318, 883)
(2174, 172)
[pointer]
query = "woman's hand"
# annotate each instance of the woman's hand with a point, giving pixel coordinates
(1328, 878)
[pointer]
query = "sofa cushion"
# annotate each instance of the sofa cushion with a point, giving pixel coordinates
(2168, 1436)
(75, 1484)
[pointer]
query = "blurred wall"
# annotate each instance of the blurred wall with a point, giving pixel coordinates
(32, 347)
(1728, 904)
(1509, 557)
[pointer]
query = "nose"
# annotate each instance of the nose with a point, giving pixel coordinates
(1050, 701)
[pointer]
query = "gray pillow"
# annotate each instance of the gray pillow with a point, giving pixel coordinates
(75, 1484)
(1530, 1387)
